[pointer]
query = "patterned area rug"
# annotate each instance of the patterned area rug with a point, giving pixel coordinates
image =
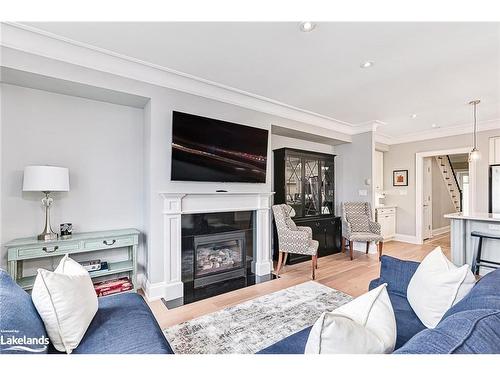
(254, 325)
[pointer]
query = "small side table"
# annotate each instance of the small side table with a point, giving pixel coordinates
(30, 248)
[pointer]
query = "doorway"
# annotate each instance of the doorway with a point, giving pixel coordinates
(460, 185)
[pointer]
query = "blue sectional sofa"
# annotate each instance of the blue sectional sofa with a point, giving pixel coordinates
(123, 324)
(470, 326)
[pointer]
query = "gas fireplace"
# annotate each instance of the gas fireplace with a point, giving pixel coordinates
(219, 257)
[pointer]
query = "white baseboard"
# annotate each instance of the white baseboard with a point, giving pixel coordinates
(443, 230)
(407, 238)
(141, 281)
(262, 268)
(168, 291)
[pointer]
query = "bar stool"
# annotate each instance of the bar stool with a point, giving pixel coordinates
(477, 261)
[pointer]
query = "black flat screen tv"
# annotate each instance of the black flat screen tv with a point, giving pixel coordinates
(205, 149)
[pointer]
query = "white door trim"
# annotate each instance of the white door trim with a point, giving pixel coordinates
(430, 192)
(419, 174)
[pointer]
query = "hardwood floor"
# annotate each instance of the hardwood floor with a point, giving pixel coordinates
(336, 271)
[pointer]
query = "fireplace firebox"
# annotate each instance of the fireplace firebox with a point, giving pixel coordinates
(219, 257)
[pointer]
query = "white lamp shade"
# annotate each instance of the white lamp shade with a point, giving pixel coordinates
(45, 178)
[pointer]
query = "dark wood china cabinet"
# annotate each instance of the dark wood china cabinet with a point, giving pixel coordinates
(306, 181)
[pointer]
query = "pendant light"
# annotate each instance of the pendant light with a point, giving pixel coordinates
(474, 154)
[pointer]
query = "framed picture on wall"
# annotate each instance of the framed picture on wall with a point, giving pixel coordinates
(400, 177)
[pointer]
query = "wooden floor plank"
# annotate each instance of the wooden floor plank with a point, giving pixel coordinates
(336, 271)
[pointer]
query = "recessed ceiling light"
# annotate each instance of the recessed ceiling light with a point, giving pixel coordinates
(367, 64)
(434, 126)
(414, 115)
(307, 26)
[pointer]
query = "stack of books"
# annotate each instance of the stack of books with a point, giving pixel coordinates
(113, 286)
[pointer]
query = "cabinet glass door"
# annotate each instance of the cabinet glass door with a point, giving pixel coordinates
(327, 187)
(293, 182)
(311, 187)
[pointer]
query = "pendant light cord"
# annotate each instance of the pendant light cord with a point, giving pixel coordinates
(475, 127)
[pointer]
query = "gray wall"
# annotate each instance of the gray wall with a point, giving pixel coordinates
(354, 164)
(118, 156)
(441, 201)
(100, 143)
(402, 156)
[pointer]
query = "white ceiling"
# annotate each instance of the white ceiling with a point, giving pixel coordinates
(431, 69)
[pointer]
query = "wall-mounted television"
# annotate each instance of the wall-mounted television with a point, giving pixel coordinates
(205, 149)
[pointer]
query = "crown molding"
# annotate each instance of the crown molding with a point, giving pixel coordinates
(38, 42)
(438, 133)
(367, 126)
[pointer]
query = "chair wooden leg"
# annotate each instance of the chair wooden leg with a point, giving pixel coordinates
(280, 262)
(380, 245)
(314, 266)
(367, 246)
(350, 249)
(343, 245)
(284, 259)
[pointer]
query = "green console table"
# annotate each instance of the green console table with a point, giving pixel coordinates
(30, 248)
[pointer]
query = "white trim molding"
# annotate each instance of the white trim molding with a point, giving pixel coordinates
(177, 204)
(406, 238)
(419, 177)
(42, 43)
(31, 40)
(447, 131)
(439, 231)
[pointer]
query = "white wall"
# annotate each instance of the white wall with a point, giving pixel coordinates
(402, 156)
(354, 165)
(149, 151)
(100, 143)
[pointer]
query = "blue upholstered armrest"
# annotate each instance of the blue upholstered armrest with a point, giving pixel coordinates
(396, 273)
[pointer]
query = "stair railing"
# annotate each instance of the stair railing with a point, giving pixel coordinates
(456, 180)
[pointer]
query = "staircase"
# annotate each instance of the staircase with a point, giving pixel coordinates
(450, 180)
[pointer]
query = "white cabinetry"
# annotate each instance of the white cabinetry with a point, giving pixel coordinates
(379, 171)
(494, 150)
(386, 217)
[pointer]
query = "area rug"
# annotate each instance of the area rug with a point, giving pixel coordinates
(254, 325)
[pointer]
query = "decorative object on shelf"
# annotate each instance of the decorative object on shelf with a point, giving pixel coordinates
(474, 153)
(30, 248)
(46, 179)
(91, 265)
(66, 230)
(305, 181)
(400, 177)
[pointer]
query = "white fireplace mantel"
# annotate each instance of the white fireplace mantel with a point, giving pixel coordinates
(177, 204)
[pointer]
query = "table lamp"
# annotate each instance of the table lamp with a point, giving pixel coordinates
(46, 179)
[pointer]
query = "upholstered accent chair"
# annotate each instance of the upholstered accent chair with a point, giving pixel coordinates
(358, 226)
(293, 239)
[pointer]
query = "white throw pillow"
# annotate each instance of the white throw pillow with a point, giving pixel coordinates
(436, 286)
(66, 301)
(366, 325)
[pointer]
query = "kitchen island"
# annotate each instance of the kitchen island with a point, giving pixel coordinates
(463, 245)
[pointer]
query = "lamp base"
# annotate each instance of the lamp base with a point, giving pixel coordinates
(47, 236)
